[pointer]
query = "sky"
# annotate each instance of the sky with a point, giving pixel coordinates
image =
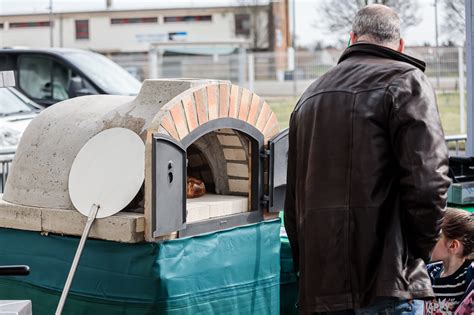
(306, 13)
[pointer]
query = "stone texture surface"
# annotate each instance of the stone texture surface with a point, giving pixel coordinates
(123, 227)
(23, 218)
(235, 154)
(238, 185)
(197, 212)
(40, 170)
(229, 140)
(211, 206)
(237, 169)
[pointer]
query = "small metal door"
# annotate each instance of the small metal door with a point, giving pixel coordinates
(278, 161)
(169, 185)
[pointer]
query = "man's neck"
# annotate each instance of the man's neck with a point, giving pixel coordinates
(451, 265)
(368, 40)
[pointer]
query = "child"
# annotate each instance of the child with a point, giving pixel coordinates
(452, 276)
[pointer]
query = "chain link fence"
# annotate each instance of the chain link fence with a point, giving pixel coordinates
(442, 66)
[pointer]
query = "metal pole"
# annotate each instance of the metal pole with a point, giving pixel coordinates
(242, 58)
(77, 257)
(51, 43)
(251, 71)
(293, 44)
(470, 96)
(159, 68)
(61, 36)
(461, 90)
(437, 44)
(152, 63)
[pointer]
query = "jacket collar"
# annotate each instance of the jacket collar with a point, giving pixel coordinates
(380, 51)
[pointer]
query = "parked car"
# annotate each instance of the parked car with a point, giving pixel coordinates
(16, 112)
(51, 75)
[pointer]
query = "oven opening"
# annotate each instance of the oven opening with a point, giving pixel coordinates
(218, 175)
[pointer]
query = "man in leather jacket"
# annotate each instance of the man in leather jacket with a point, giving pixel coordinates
(367, 177)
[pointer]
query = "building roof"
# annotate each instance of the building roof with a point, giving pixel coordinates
(157, 6)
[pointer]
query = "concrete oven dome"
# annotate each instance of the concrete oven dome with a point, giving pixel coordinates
(39, 176)
(178, 109)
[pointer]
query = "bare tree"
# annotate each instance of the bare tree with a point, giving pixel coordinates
(454, 20)
(339, 14)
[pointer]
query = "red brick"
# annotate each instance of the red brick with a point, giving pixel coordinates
(224, 91)
(168, 124)
(255, 107)
(149, 134)
(271, 128)
(179, 119)
(200, 106)
(163, 131)
(234, 99)
(190, 111)
(265, 113)
(212, 101)
(244, 104)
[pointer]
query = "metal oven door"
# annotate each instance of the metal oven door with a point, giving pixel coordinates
(169, 185)
(278, 161)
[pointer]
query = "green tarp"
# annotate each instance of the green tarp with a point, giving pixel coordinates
(236, 271)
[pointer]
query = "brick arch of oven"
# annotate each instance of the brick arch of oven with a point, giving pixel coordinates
(205, 104)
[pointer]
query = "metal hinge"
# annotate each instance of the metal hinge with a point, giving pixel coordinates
(264, 154)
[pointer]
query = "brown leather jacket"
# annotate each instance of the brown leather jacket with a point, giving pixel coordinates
(367, 181)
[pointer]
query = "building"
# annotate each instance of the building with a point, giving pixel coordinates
(112, 31)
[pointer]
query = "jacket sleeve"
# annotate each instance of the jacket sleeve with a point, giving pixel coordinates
(418, 142)
(290, 200)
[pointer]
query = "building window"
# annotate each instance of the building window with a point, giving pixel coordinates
(29, 24)
(134, 20)
(82, 29)
(242, 24)
(188, 18)
(1, 26)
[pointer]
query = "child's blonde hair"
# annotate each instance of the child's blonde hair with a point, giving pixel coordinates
(459, 225)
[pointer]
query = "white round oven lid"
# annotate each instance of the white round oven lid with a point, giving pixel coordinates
(108, 171)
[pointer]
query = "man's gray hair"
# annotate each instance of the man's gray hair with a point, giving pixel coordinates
(378, 22)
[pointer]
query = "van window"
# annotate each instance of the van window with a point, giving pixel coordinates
(42, 78)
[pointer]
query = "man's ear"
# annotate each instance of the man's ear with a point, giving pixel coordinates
(353, 38)
(401, 46)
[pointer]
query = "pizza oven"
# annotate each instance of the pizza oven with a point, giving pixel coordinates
(222, 137)
(218, 137)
